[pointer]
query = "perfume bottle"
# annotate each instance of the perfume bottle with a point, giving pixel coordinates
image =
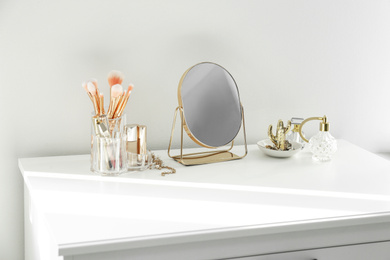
(323, 145)
(293, 135)
(138, 157)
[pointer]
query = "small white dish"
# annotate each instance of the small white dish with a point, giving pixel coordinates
(296, 148)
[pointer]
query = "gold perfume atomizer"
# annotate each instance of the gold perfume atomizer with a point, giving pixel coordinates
(323, 145)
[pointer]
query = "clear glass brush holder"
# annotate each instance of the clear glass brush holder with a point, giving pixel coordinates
(108, 145)
(117, 125)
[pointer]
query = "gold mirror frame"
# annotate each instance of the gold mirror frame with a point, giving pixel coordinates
(207, 156)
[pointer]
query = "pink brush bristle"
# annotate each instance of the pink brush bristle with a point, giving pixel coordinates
(115, 77)
(94, 82)
(116, 90)
(91, 88)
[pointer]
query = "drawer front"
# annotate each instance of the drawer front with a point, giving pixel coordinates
(374, 251)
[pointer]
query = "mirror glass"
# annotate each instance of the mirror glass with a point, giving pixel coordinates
(211, 105)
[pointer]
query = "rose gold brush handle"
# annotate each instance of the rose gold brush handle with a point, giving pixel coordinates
(115, 102)
(101, 103)
(118, 105)
(122, 108)
(116, 94)
(95, 105)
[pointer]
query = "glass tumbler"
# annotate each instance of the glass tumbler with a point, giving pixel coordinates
(108, 145)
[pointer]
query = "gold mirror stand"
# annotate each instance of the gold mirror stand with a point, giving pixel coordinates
(207, 156)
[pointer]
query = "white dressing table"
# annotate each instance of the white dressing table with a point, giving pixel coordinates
(256, 208)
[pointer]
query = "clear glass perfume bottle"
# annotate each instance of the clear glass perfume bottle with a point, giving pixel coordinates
(293, 135)
(323, 145)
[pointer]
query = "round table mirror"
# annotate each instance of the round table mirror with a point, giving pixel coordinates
(211, 105)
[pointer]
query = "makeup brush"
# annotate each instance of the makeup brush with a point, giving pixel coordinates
(92, 91)
(116, 92)
(123, 105)
(115, 77)
(95, 83)
(84, 85)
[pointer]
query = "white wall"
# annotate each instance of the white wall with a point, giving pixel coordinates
(290, 58)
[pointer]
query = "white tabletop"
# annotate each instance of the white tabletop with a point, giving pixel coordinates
(86, 212)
